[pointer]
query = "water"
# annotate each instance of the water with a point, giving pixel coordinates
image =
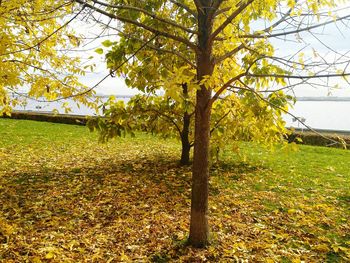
(33, 105)
(329, 115)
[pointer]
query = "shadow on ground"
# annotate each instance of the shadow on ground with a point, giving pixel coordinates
(103, 210)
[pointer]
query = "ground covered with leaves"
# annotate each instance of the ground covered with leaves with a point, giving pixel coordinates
(66, 198)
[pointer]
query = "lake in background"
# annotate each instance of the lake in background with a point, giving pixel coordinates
(330, 115)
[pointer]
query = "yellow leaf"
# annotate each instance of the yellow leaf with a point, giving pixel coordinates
(322, 248)
(292, 211)
(36, 260)
(124, 258)
(49, 255)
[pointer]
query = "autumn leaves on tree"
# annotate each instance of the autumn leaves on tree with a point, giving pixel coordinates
(34, 53)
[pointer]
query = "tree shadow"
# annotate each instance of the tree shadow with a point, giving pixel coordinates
(236, 169)
(139, 206)
(95, 197)
(344, 200)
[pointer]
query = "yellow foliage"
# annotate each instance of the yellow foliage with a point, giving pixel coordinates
(32, 33)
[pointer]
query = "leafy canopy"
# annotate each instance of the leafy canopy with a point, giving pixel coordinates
(34, 52)
(245, 106)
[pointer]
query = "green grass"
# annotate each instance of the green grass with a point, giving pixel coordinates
(66, 198)
(22, 132)
(310, 169)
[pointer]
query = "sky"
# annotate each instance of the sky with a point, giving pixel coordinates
(334, 36)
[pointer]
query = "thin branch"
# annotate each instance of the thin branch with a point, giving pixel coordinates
(229, 54)
(281, 20)
(162, 114)
(296, 31)
(280, 76)
(238, 11)
(45, 38)
(218, 122)
(290, 114)
(133, 8)
(232, 80)
(224, 87)
(174, 52)
(198, 4)
(187, 8)
(222, 11)
(216, 5)
(146, 27)
(105, 77)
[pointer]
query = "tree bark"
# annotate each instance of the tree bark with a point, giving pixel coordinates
(199, 229)
(185, 133)
(185, 142)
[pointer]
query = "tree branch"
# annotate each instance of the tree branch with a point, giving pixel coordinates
(187, 8)
(229, 54)
(45, 38)
(198, 4)
(105, 77)
(216, 5)
(287, 112)
(295, 31)
(239, 10)
(133, 8)
(222, 11)
(280, 76)
(167, 117)
(146, 27)
(174, 53)
(218, 122)
(225, 86)
(281, 20)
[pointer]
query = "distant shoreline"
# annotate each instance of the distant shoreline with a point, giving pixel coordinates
(329, 138)
(323, 98)
(50, 116)
(129, 96)
(323, 131)
(329, 113)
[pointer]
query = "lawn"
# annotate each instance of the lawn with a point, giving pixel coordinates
(64, 197)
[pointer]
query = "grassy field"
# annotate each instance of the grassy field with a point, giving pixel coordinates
(66, 198)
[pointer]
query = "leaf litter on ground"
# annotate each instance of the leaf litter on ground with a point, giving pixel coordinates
(66, 198)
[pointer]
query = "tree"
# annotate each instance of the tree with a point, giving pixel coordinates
(34, 52)
(175, 109)
(171, 114)
(230, 56)
(234, 119)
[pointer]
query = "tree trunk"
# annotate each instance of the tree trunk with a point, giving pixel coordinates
(199, 229)
(185, 142)
(185, 133)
